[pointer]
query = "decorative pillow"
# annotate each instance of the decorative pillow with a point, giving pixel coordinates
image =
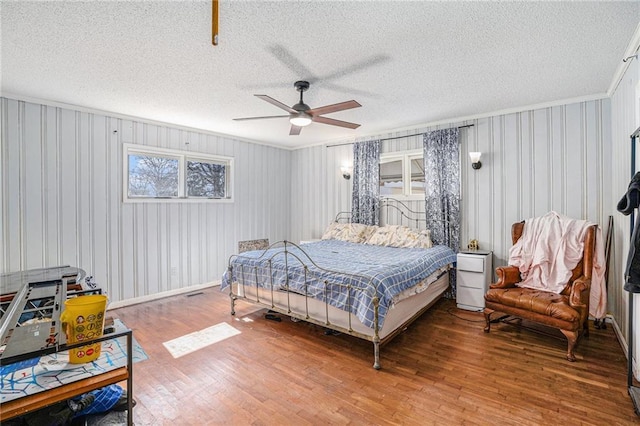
(330, 231)
(385, 235)
(401, 236)
(371, 229)
(350, 232)
(420, 239)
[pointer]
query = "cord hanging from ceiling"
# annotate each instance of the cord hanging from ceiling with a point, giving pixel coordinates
(214, 22)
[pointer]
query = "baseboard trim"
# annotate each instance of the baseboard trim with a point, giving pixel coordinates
(623, 343)
(161, 295)
(616, 329)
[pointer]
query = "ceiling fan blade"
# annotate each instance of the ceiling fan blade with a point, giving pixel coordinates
(334, 108)
(290, 61)
(355, 67)
(286, 57)
(295, 130)
(277, 103)
(260, 118)
(334, 122)
(351, 90)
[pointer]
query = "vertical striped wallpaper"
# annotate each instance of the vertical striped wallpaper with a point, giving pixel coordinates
(625, 119)
(533, 162)
(61, 190)
(61, 202)
(573, 159)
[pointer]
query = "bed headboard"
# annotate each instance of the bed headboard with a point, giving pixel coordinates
(393, 212)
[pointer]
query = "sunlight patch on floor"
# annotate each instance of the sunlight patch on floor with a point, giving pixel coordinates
(199, 339)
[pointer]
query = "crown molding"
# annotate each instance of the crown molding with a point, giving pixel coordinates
(112, 114)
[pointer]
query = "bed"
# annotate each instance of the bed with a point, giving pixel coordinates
(370, 286)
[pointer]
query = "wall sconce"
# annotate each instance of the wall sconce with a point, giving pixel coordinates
(346, 172)
(475, 160)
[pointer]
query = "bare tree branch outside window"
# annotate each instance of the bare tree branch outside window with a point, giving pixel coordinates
(205, 179)
(168, 175)
(153, 176)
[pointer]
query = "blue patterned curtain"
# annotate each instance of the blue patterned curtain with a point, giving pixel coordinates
(366, 183)
(442, 190)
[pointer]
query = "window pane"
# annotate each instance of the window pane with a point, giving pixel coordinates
(417, 176)
(152, 176)
(391, 178)
(206, 179)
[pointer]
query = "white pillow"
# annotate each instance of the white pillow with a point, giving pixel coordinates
(351, 232)
(330, 231)
(383, 236)
(401, 236)
(420, 239)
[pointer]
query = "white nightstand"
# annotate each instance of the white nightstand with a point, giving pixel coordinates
(474, 273)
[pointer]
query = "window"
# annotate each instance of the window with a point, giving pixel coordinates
(153, 174)
(206, 178)
(402, 174)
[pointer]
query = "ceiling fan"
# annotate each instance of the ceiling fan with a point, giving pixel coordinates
(301, 114)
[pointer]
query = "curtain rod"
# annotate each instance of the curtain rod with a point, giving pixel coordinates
(395, 137)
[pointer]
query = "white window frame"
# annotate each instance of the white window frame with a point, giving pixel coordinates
(182, 157)
(405, 157)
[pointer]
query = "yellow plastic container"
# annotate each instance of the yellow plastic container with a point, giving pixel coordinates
(83, 319)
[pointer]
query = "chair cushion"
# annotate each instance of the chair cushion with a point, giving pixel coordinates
(538, 301)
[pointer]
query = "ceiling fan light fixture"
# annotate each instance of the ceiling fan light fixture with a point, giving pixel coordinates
(301, 119)
(300, 115)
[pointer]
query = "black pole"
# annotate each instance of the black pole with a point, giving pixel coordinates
(630, 344)
(634, 392)
(630, 325)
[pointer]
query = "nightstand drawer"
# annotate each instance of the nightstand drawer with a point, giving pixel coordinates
(469, 297)
(470, 263)
(471, 279)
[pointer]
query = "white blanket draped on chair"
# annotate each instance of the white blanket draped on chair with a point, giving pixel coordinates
(550, 247)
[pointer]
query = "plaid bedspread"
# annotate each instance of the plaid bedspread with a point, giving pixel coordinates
(346, 275)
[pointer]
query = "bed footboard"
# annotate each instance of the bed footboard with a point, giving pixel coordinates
(284, 279)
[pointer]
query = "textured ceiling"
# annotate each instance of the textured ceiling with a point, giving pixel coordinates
(407, 63)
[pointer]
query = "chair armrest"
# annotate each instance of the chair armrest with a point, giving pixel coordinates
(507, 277)
(579, 295)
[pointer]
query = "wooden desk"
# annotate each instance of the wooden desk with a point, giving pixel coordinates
(24, 405)
(44, 398)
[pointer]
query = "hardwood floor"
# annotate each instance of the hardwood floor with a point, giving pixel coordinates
(442, 370)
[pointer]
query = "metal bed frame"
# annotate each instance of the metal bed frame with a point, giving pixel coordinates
(412, 217)
(272, 298)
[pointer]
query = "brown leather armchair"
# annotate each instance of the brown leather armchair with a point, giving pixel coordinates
(567, 311)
